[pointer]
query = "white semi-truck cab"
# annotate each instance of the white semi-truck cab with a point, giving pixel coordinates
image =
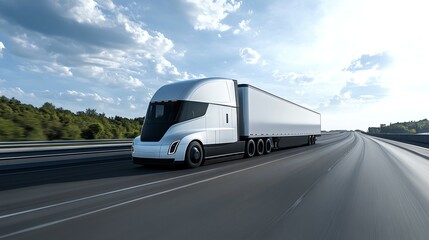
(197, 120)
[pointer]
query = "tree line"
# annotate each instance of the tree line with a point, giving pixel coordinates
(20, 122)
(410, 127)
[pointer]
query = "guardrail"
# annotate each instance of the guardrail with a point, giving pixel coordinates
(44, 154)
(417, 139)
(63, 151)
(22, 144)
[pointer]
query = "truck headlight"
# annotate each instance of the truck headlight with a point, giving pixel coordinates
(173, 147)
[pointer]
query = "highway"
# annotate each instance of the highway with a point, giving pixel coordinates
(347, 186)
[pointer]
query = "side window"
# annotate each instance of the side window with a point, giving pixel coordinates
(192, 110)
(159, 112)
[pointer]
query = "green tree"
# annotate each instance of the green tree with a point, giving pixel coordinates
(20, 121)
(92, 131)
(9, 131)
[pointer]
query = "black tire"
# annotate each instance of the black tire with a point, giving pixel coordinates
(194, 155)
(268, 146)
(260, 148)
(250, 148)
(314, 139)
(309, 141)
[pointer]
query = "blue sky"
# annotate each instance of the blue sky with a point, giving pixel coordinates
(359, 63)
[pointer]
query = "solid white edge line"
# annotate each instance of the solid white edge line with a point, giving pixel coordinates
(141, 198)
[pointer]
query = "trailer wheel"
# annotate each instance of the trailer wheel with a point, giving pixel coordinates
(260, 148)
(250, 148)
(194, 155)
(314, 140)
(268, 146)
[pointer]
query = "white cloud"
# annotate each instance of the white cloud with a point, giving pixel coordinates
(80, 96)
(108, 4)
(249, 55)
(134, 82)
(15, 92)
(87, 11)
(208, 14)
(1, 48)
(243, 26)
(94, 70)
(59, 69)
(163, 66)
(112, 47)
(23, 41)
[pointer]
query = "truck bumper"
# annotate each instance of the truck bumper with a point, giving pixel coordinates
(156, 153)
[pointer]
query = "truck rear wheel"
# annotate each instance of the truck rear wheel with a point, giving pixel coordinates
(194, 155)
(268, 146)
(250, 148)
(311, 140)
(260, 148)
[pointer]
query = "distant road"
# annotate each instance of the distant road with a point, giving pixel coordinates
(347, 186)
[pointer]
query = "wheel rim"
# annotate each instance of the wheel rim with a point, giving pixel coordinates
(260, 147)
(195, 155)
(251, 148)
(268, 146)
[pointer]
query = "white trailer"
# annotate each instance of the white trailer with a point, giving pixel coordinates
(279, 122)
(197, 120)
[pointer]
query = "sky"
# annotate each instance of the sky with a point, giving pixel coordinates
(359, 63)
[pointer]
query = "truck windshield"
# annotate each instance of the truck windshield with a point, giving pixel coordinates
(161, 115)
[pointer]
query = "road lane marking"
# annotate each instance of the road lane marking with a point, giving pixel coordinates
(156, 194)
(137, 199)
(101, 194)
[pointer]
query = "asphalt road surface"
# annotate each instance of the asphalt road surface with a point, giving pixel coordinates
(347, 186)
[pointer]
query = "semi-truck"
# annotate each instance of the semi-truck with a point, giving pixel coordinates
(198, 120)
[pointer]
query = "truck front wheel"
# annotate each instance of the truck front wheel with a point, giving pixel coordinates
(194, 155)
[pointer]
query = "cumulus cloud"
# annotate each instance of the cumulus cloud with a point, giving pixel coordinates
(15, 92)
(163, 66)
(89, 40)
(59, 69)
(1, 48)
(86, 11)
(208, 14)
(367, 61)
(364, 85)
(79, 96)
(249, 56)
(243, 26)
(353, 94)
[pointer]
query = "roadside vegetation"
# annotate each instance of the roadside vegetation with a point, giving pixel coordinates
(21, 122)
(411, 127)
